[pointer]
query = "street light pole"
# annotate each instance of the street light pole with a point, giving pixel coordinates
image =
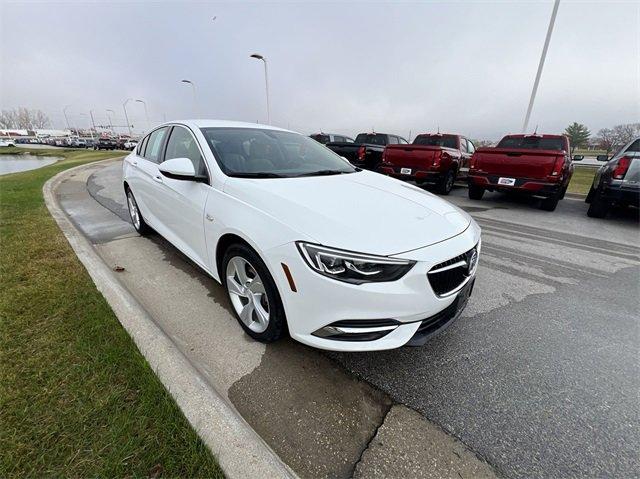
(110, 123)
(126, 117)
(266, 82)
(540, 65)
(66, 119)
(193, 87)
(146, 113)
(93, 123)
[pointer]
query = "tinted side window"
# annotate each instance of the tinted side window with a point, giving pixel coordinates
(634, 147)
(154, 145)
(141, 146)
(463, 145)
(182, 144)
(393, 140)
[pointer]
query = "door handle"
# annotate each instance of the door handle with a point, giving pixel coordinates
(157, 178)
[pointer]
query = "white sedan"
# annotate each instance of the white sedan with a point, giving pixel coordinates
(304, 242)
(4, 143)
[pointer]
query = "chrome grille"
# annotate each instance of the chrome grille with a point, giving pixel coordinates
(448, 277)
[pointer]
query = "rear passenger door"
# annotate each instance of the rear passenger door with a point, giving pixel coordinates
(149, 178)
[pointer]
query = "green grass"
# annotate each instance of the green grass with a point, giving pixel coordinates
(579, 151)
(581, 180)
(77, 399)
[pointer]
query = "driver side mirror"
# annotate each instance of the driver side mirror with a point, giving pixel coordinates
(578, 157)
(602, 158)
(180, 169)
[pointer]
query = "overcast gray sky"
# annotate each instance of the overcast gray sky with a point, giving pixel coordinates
(345, 67)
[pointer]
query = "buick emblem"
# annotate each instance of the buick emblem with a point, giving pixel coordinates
(472, 262)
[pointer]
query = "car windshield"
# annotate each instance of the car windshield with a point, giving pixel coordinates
(260, 153)
(372, 138)
(447, 141)
(531, 143)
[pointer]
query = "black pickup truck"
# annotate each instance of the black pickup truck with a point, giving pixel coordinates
(366, 151)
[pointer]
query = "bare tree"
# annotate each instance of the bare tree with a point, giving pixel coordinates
(606, 139)
(625, 133)
(24, 119)
(483, 143)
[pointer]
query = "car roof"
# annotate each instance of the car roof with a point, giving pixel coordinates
(540, 135)
(439, 134)
(204, 123)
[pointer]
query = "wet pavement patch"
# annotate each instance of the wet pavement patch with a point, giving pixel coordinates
(314, 415)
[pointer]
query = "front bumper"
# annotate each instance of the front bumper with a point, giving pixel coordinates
(410, 302)
(531, 186)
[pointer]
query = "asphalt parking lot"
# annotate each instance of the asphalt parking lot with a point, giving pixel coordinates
(539, 376)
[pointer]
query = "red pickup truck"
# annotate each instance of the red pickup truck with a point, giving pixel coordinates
(434, 158)
(538, 165)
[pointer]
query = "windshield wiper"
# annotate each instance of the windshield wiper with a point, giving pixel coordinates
(325, 173)
(257, 174)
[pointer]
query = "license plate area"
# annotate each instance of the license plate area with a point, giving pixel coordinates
(506, 181)
(405, 171)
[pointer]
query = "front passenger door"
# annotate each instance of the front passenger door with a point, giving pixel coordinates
(466, 150)
(182, 202)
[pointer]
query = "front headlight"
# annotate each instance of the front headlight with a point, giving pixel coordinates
(352, 267)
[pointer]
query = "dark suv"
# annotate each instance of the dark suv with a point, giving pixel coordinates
(105, 144)
(617, 182)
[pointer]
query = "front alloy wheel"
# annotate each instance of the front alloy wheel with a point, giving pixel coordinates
(253, 294)
(247, 294)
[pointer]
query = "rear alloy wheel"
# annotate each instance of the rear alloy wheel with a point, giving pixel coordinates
(476, 192)
(599, 207)
(253, 294)
(445, 185)
(136, 217)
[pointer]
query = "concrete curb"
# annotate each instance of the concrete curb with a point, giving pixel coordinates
(240, 451)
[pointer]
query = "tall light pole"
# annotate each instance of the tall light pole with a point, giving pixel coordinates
(193, 87)
(540, 65)
(126, 117)
(266, 82)
(66, 118)
(93, 123)
(146, 113)
(109, 118)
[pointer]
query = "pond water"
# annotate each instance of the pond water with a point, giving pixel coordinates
(15, 163)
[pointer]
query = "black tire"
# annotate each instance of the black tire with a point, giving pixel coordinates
(445, 185)
(563, 192)
(277, 324)
(599, 207)
(138, 223)
(589, 198)
(476, 192)
(550, 204)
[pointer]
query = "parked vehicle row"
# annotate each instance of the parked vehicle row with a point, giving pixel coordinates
(293, 232)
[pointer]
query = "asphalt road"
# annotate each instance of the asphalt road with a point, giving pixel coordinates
(540, 376)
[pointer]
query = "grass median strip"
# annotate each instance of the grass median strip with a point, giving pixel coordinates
(581, 180)
(77, 399)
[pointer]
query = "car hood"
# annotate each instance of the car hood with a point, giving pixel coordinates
(364, 211)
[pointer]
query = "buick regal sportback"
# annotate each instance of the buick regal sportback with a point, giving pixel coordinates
(304, 242)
